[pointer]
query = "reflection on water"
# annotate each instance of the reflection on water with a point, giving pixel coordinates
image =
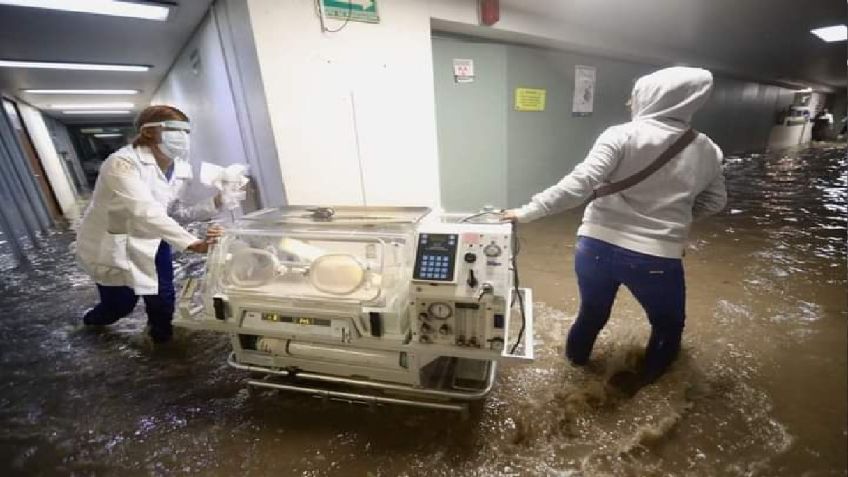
(759, 390)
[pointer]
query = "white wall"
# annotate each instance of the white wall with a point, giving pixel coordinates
(202, 90)
(233, 20)
(50, 160)
(352, 112)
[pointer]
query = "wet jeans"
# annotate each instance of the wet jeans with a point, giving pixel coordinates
(656, 282)
(118, 302)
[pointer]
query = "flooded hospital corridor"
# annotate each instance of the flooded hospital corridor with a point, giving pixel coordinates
(760, 387)
(423, 238)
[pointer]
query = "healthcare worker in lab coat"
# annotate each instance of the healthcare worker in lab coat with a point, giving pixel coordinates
(133, 222)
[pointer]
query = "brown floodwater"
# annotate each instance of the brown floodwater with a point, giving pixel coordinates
(760, 388)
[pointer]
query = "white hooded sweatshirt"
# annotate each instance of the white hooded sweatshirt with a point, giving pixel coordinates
(653, 216)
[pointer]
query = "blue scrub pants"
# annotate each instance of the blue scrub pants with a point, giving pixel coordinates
(118, 302)
(656, 282)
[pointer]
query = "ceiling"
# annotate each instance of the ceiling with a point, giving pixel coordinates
(768, 40)
(767, 37)
(47, 35)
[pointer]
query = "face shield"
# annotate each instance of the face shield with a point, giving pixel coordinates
(174, 138)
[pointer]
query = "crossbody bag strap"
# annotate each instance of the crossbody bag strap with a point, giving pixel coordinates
(676, 147)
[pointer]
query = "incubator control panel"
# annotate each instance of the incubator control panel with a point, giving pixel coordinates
(463, 302)
(435, 258)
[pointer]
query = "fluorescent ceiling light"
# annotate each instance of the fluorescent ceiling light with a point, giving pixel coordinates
(109, 135)
(832, 33)
(71, 66)
(96, 112)
(81, 91)
(98, 7)
(93, 106)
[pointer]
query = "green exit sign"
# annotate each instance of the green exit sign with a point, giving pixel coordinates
(353, 10)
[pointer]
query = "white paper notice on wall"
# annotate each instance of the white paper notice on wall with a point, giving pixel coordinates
(463, 70)
(584, 90)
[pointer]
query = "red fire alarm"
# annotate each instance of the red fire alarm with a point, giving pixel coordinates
(490, 12)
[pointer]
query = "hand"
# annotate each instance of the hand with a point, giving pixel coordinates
(509, 216)
(201, 246)
(213, 233)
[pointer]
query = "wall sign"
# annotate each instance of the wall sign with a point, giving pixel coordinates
(353, 10)
(530, 99)
(463, 70)
(584, 90)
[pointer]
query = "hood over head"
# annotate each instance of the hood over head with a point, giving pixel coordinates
(671, 93)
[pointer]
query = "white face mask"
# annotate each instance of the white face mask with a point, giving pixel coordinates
(174, 145)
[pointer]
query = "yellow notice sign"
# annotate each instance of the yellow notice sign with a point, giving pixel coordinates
(529, 99)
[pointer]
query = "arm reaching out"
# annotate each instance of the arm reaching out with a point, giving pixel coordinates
(573, 189)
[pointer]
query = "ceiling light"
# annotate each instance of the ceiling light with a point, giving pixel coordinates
(81, 91)
(99, 130)
(98, 7)
(96, 112)
(832, 33)
(93, 106)
(71, 66)
(109, 135)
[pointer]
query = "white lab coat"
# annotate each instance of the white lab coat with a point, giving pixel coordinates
(133, 208)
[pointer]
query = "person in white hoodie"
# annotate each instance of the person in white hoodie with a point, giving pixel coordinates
(125, 238)
(636, 237)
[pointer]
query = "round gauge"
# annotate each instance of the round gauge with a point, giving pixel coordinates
(440, 311)
(492, 250)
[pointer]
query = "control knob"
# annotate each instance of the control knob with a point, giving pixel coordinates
(492, 250)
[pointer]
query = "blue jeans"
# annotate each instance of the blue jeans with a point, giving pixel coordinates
(118, 302)
(656, 282)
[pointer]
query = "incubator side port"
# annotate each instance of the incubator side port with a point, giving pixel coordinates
(499, 321)
(248, 341)
(376, 324)
(220, 308)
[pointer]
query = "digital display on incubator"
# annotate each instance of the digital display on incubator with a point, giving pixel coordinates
(435, 258)
(276, 317)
